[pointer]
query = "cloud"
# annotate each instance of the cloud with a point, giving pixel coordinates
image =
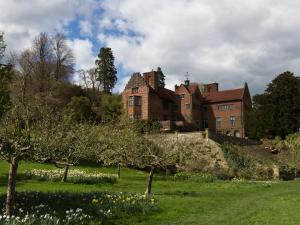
(85, 28)
(228, 41)
(82, 49)
(22, 20)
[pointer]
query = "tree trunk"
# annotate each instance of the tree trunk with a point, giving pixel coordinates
(65, 176)
(119, 171)
(149, 183)
(10, 196)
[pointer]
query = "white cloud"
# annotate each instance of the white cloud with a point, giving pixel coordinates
(82, 49)
(85, 28)
(22, 20)
(228, 41)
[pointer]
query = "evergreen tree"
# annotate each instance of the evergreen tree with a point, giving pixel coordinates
(106, 70)
(161, 78)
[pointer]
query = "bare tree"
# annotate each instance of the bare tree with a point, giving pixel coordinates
(63, 57)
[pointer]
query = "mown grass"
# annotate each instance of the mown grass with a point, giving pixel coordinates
(188, 202)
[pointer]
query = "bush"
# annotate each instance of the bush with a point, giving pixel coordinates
(243, 164)
(74, 176)
(144, 126)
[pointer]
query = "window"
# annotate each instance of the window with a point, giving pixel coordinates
(137, 100)
(135, 90)
(232, 121)
(224, 107)
(187, 106)
(182, 96)
(218, 122)
(131, 100)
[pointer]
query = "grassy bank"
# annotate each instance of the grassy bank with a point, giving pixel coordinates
(188, 202)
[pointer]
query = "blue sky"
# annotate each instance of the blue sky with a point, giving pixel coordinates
(224, 41)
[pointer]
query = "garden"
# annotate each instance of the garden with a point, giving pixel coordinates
(181, 199)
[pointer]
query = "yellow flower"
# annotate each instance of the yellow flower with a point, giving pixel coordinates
(95, 201)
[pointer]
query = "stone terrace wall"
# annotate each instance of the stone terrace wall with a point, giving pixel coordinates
(221, 138)
(202, 153)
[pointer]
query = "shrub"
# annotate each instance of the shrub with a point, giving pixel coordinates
(197, 177)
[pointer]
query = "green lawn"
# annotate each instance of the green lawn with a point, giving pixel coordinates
(190, 202)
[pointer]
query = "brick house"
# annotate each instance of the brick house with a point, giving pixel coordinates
(191, 106)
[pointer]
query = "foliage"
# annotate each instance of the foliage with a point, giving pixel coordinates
(276, 112)
(75, 208)
(146, 126)
(243, 164)
(68, 143)
(15, 141)
(111, 107)
(75, 176)
(161, 78)
(106, 70)
(79, 109)
(5, 80)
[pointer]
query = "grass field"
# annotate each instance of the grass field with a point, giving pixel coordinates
(187, 202)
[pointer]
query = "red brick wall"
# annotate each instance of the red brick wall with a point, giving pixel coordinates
(212, 113)
(143, 109)
(152, 79)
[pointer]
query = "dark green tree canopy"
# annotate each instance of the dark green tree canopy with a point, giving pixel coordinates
(277, 112)
(106, 70)
(161, 78)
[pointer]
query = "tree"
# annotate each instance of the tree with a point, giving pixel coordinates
(5, 79)
(111, 107)
(63, 58)
(2, 45)
(105, 69)
(278, 109)
(64, 144)
(161, 78)
(15, 144)
(132, 148)
(92, 86)
(79, 109)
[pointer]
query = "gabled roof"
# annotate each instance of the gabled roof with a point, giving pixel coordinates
(192, 88)
(224, 96)
(136, 80)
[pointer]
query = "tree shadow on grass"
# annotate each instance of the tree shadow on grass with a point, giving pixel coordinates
(181, 193)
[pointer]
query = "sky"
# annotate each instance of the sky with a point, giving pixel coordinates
(226, 41)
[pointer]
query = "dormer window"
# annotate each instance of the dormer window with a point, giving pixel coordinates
(135, 90)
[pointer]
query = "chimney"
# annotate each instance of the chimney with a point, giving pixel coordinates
(152, 79)
(214, 87)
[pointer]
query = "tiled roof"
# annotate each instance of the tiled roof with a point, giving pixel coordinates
(223, 96)
(166, 94)
(192, 88)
